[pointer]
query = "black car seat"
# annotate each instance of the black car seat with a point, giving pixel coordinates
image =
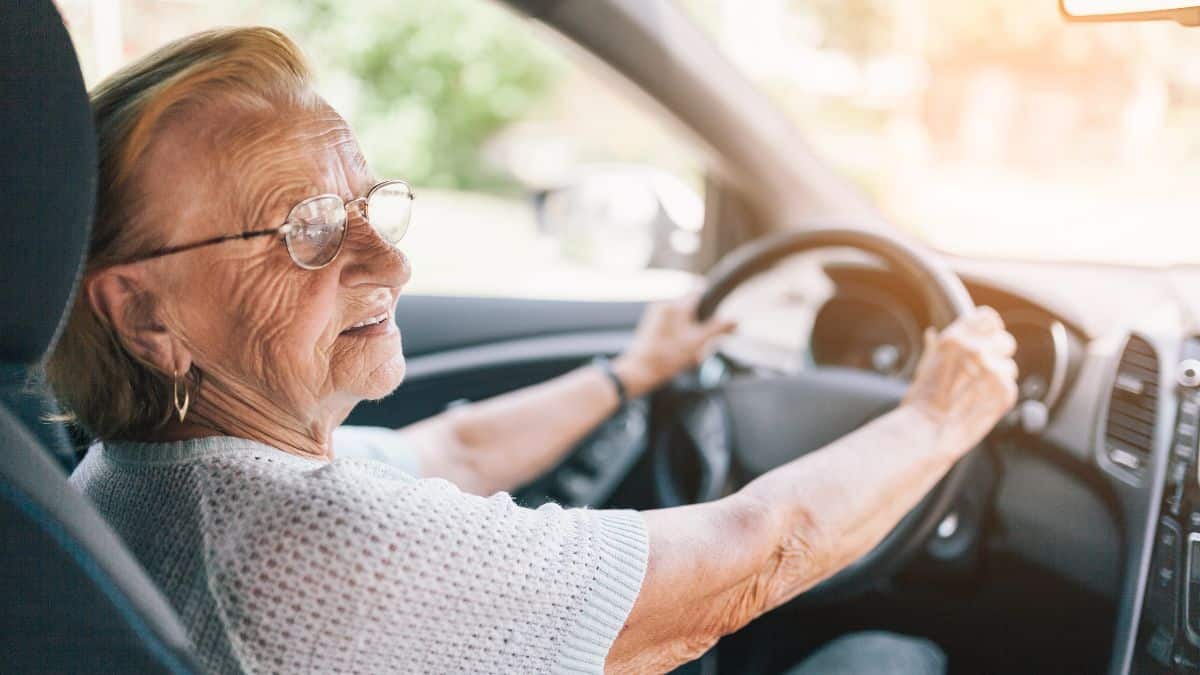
(73, 598)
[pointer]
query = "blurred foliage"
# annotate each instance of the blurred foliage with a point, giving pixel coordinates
(424, 84)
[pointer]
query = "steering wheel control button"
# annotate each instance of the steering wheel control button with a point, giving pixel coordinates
(1188, 373)
(1034, 417)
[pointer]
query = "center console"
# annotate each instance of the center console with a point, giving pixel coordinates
(1168, 638)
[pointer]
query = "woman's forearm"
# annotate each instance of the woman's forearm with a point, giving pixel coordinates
(836, 505)
(714, 567)
(504, 442)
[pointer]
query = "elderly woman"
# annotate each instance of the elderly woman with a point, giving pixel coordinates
(238, 302)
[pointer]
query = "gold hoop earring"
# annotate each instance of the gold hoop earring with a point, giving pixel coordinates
(180, 407)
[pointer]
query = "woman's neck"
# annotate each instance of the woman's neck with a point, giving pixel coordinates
(218, 410)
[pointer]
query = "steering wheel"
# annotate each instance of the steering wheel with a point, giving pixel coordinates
(747, 426)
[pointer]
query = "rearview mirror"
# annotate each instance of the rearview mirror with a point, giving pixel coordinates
(1181, 11)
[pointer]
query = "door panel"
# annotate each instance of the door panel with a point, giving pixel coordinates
(432, 324)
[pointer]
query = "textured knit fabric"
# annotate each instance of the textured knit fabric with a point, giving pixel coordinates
(278, 563)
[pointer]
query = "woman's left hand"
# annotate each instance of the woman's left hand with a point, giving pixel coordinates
(668, 340)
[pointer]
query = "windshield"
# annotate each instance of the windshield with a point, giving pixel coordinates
(991, 128)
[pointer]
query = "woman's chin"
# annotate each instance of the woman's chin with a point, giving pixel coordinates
(372, 375)
(383, 380)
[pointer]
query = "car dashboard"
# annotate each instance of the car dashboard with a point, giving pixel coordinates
(1168, 625)
(1123, 405)
(1109, 390)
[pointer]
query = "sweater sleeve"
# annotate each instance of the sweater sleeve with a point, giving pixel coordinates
(354, 567)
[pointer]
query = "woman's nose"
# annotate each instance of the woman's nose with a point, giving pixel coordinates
(370, 259)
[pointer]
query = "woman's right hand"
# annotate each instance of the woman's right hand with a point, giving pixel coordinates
(966, 380)
(715, 566)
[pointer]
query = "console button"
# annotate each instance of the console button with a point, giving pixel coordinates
(1160, 646)
(1189, 410)
(1185, 432)
(1162, 596)
(1168, 536)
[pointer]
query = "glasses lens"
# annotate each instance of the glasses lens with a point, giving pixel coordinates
(389, 210)
(318, 226)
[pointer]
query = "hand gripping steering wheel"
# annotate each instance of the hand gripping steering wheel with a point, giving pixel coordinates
(749, 425)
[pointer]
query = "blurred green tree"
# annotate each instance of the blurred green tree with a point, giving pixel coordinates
(425, 84)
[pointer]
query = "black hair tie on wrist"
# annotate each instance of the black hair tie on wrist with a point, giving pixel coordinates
(605, 366)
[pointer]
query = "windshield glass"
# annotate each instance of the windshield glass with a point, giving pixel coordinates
(991, 128)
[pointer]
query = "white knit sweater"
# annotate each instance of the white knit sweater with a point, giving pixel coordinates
(278, 563)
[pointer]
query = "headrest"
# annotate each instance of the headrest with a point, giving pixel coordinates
(47, 177)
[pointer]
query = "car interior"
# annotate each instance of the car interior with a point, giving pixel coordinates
(1068, 542)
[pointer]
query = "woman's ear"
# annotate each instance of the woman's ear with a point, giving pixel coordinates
(120, 297)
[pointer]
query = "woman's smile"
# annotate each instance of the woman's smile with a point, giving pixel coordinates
(383, 323)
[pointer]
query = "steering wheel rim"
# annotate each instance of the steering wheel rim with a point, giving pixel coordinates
(947, 298)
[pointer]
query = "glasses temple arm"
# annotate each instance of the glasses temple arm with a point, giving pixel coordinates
(171, 250)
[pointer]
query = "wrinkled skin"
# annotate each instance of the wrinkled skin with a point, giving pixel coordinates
(265, 334)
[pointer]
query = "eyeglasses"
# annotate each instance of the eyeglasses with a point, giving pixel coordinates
(315, 229)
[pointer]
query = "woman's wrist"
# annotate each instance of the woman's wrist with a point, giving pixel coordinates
(638, 377)
(945, 435)
(605, 366)
(929, 412)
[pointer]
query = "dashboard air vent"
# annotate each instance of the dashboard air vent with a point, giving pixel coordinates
(1133, 406)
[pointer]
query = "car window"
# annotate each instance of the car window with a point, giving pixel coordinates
(990, 128)
(537, 173)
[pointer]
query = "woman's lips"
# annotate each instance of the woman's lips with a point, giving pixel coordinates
(377, 327)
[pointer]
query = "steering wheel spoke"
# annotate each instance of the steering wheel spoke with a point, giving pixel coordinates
(696, 442)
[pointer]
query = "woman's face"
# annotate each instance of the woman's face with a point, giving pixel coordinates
(270, 338)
